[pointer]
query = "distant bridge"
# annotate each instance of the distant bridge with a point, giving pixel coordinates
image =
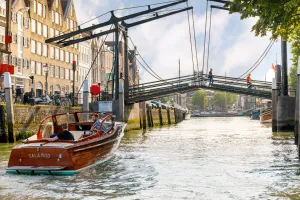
(152, 90)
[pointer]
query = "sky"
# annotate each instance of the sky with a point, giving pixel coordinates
(161, 43)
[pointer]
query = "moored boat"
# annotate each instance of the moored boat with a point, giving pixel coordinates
(266, 115)
(38, 155)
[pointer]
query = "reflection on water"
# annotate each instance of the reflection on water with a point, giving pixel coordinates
(217, 158)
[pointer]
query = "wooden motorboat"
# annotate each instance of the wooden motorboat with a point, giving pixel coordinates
(266, 115)
(37, 155)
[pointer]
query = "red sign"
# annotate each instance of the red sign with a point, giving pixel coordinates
(6, 68)
(95, 89)
(8, 39)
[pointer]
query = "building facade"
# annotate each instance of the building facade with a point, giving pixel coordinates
(5, 18)
(84, 65)
(32, 23)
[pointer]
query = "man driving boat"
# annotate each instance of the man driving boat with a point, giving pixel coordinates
(97, 124)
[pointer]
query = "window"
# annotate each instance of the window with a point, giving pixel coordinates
(56, 3)
(62, 53)
(2, 34)
(33, 26)
(56, 53)
(44, 11)
(34, 6)
(40, 9)
(51, 71)
(32, 67)
(14, 38)
(56, 33)
(56, 18)
(67, 57)
(45, 50)
(14, 17)
(25, 63)
(3, 8)
(60, 20)
(71, 10)
(51, 32)
(62, 73)
(53, 17)
(56, 72)
(51, 52)
(39, 28)
(39, 48)
(67, 74)
(26, 22)
(38, 68)
(19, 65)
(71, 57)
(45, 31)
(33, 50)
(75, 58)
(71, 75)
(26, 42)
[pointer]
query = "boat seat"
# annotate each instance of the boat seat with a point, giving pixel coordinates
(77, 134)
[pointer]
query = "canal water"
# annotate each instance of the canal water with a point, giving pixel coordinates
(204, 158)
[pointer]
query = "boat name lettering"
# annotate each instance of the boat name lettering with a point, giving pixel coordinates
(39, 155)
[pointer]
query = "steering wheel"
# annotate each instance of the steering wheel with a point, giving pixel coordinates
(100, 128)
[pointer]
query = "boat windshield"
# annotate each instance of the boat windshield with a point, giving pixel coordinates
(87, 117)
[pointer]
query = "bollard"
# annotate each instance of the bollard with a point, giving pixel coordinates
(121, 100)
(148, 117)
(9, 107)
(160, 117)
(144, 115)
(175, 115)
(151, 117)
(168, 115)
(85, 95)
(274, 105)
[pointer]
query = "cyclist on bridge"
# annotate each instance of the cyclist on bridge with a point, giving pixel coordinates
(248, 80)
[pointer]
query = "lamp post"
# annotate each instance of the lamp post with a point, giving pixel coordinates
(74, 69)
(46, 70)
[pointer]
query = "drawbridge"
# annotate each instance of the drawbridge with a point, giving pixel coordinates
(189, 83)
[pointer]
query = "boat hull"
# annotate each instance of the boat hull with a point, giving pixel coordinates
(266, 118)
(63, 158)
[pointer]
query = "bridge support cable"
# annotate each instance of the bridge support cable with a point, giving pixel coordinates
(204, 46)
(155, 75)
(195, 40)
(93, 62)
(208, 46)
(190, 37)
(260, 59)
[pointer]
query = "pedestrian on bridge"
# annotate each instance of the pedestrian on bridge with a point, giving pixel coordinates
(248, 80)
(210, 76)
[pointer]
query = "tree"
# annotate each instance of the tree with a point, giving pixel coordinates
(220, 99)
(199, 99)
(280, 17)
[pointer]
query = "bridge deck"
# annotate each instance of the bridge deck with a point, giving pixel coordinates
(152, 90)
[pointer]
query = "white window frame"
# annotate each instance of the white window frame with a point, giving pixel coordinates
(56, 53)
(62, 55)
(51, 32)
(32, 67)
(39, 68)
(39, 48)
(33, 46)
(40, 9)
(33, 26)
(39, 28)
(57, 71)
(52, 52)
(34, 6)
(45, 50)
(51, 71)
(45, 31)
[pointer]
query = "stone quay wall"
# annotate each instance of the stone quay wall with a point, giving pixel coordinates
(28, 118)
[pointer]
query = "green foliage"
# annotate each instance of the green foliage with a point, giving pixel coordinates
(280, 17)
(293, 77)
(199, 99)
(220, 99)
